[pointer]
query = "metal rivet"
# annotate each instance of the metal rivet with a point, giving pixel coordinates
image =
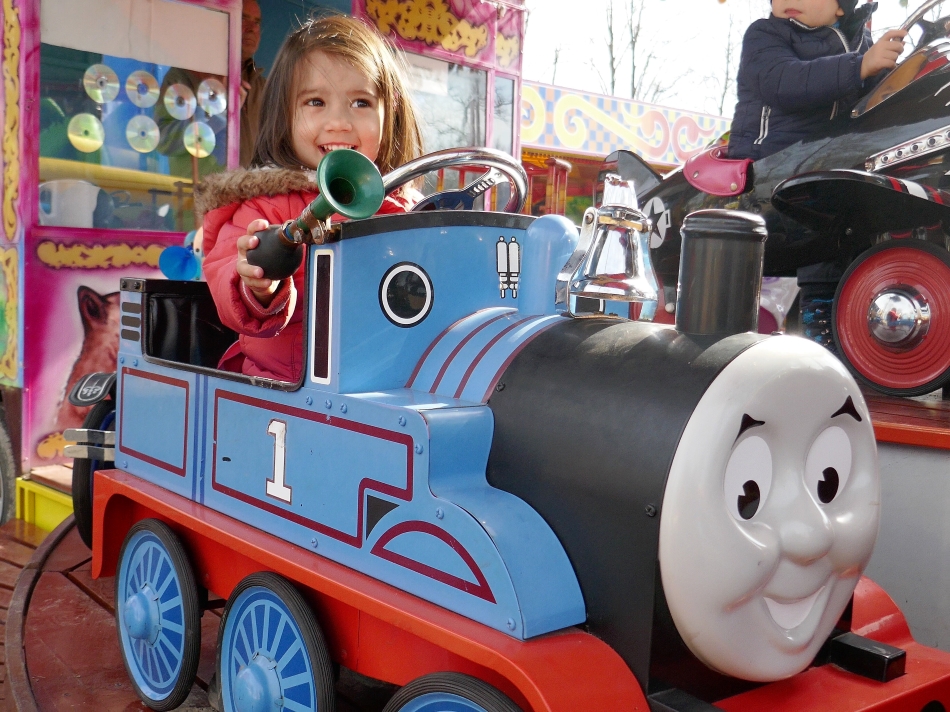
(125, 464)
(511, 624)
(734, 186)
(650, 510)
(121, 359)
(342, 407)
(849, 232)
(135, 362)
(589, 218)
(696, 174)
(418, 449)
(499, 387)
(439, 514)
(309, 400)
(402, 421)
(328, 404)
(313, 542)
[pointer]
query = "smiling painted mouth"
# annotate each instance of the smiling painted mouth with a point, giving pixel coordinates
(793, 614)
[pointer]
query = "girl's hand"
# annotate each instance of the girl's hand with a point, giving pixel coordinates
(883, 53)
(253, 277)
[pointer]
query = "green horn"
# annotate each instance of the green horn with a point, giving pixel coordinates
(349, 184)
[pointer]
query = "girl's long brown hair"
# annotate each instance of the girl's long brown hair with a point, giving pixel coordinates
(365, 49)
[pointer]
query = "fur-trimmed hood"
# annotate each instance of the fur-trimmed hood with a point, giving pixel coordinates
(220, 189)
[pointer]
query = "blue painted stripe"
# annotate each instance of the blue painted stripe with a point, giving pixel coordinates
(445, 348)
(481, 379)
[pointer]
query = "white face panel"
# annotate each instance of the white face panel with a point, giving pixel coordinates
(770, 511)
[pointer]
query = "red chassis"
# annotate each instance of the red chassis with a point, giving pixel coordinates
(382, 632)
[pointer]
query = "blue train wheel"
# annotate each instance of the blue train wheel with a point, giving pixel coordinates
(271, 654)
(101, 417)
(157, 615)
(449, 692)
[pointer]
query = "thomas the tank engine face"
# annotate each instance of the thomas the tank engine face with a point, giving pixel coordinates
(771, 510)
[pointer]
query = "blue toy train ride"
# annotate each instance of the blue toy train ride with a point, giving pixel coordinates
(491, 492)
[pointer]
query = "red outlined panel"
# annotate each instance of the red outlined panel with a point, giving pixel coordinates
(481, 589)
(175, 382)
(366, 484)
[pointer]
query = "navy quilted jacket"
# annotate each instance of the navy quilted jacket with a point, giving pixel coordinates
(792, 80)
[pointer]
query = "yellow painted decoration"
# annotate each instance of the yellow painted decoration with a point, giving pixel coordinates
(9, 358)
(561, 119)
(507, 49)
(534, 114)
(59, 256)
(470, 38)
(429, 21)
(51, 446)
(11, 124)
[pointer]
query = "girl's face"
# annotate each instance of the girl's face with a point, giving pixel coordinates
(336, 106)
(814, 13)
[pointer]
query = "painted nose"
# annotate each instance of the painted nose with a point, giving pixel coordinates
(806, 532)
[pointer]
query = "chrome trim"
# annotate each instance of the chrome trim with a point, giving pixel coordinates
(919, 14)
(455, 157)
(899, 317)
(921, 146)
(89, 436)
(564, 277)
(90, 452)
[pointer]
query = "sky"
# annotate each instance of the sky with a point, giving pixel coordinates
(688, 40)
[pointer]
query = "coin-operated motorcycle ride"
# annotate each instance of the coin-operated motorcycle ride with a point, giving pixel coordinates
(868, 195)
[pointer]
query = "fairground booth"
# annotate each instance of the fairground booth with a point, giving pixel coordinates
(112, 110)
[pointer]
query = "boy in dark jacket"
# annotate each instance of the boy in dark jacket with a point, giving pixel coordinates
(801, 67)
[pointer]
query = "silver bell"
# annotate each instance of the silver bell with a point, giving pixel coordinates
(612, 258)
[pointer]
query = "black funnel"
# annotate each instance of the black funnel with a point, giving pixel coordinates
(720, 273)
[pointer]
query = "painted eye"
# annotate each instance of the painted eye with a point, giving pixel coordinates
(828, 464)
(748, 478)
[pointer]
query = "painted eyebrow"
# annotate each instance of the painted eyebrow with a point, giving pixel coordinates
(748, 422)
(848, 409)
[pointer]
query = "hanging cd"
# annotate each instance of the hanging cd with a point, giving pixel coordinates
(85, 133)
(142, 134)
(180, 101)
(199, 139)
(101, 83)
(142, 89)
(212, 97)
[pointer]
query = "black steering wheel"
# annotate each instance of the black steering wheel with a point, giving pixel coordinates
(502, 167)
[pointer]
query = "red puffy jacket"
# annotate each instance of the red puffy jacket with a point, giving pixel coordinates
(270, 342)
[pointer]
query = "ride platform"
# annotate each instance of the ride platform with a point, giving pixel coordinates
(61, 643)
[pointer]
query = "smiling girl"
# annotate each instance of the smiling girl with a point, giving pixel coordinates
(335, 84)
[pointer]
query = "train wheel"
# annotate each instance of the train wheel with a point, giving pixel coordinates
(449, 692)
(101, 417)
(891, 317)
(271, 653)
(157, 615)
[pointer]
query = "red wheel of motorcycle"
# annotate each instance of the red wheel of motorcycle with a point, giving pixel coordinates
(897, 263)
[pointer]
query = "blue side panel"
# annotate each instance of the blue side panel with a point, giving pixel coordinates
(348, 477)
(548, 245)
(156, 423)
(461, 264)
(545, 583)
